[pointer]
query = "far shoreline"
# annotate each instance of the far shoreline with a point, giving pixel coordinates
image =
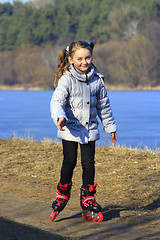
(108, 87)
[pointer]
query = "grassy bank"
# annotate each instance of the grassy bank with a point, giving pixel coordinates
(128, 177)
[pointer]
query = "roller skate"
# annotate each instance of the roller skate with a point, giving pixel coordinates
(63, 195)
(91, 209)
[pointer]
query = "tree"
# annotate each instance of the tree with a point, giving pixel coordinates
(141, 58)
(131, 63)
(8, 74)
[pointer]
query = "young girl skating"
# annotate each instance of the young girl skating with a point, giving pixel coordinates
(80, 96)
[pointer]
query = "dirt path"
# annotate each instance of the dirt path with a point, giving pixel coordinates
(24, 218)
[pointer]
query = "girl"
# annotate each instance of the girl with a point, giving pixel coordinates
(79, 97)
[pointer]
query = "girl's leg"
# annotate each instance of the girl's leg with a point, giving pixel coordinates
(91, 209)
(69, 161)
(65, 184)
(87, 160)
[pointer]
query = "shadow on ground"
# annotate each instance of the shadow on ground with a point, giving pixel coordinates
(10, 230)
(120, 222)
(114, 228)
(152, 206)
(108, 214)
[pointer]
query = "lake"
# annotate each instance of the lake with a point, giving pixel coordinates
(26, 114)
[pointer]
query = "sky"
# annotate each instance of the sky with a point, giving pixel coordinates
(11, 1)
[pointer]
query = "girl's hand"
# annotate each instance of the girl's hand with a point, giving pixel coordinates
(61, 123)
(113, 137)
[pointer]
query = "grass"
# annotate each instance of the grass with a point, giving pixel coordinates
(126, 178)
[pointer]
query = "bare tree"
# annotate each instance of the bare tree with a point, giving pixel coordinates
(50, 57)
(41, 3)
(131, 29)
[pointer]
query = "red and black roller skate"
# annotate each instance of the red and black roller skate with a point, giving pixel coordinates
(63, 195)
(91, 209)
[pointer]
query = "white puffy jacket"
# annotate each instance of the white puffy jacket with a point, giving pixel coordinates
(79, 98)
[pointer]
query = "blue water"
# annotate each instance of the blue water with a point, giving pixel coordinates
(137, 113)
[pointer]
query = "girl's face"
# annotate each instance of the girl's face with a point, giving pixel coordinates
(81, 60)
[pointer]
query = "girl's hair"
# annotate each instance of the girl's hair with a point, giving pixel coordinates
(69, 52)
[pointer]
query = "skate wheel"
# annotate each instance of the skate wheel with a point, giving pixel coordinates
(53, 216)
(95, 219)
(84, 217)
(100, 217)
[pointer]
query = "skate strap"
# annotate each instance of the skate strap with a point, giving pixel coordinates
(88, 198)
(62, 196)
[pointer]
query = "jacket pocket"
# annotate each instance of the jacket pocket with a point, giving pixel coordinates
(93, 124)
(72, 125)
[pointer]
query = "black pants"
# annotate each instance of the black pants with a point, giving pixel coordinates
(70, 160)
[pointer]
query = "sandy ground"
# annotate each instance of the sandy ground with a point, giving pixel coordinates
(28, 219)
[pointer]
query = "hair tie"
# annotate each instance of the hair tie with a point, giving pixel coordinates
(67, 49)
(89, 43)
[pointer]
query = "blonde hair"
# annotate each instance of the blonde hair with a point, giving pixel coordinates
(69, 52)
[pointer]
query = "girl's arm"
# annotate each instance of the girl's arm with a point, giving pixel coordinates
(58, 101)
(105, 112)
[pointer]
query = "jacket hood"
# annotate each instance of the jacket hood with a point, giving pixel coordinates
(82, 77)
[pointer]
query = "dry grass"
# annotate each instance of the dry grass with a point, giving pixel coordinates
(127, 178)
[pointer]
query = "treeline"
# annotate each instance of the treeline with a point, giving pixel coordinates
(126, 36)
(97, 20)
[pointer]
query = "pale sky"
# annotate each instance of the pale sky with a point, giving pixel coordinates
(11, 1)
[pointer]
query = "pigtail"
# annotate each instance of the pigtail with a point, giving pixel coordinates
(91, 45)
(62, 66)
